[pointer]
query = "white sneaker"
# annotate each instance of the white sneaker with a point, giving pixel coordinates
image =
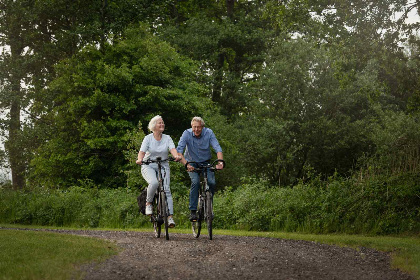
(149, 209)
(171, 222)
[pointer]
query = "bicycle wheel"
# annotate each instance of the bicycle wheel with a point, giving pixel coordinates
(157, 225)
(164, 213)
(209, 214)
(196, 226)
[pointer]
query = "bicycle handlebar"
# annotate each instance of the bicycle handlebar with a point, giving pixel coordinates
(203, 166)
(157, 160)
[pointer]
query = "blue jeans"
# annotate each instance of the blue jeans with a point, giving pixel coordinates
(195, 186)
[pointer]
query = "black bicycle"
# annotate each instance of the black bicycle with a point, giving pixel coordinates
(205, 198)
(160, 202)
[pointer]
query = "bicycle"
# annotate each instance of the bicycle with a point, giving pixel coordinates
(160, 202)
(205, 198)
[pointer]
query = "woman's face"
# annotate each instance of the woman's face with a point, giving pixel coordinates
(160, 126)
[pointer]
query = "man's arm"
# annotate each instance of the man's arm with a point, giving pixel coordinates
(220, 164)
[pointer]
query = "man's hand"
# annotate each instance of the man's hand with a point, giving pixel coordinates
(219, 166)
(139, 161)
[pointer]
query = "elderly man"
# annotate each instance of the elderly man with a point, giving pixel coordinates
(197, 142)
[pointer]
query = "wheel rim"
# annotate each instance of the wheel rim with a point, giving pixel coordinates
(165, 214)
(209, 215)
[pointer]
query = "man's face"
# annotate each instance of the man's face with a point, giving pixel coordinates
(197, 128)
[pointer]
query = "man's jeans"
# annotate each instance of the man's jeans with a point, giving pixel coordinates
(195, 185)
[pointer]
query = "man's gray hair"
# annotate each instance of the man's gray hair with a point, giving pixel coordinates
(198, 119)
(153, 121)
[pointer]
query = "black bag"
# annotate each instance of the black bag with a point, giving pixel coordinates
(141, 201)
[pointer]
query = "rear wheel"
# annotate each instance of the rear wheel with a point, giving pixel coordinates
(196, 226)
(164, 213)
(209, 214)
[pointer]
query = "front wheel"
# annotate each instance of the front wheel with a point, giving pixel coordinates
(157, 224)
(196, 226)
(164, 213)
(209, 214)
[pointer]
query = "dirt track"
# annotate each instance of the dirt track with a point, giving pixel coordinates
(228, 257)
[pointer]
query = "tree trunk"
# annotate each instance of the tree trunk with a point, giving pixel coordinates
(103, 24)
(230, 4)
(218, 79)
(13, 144)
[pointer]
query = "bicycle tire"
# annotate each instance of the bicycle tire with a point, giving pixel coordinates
(157, 226)
(209, 214)
(196, 226)
(164, 213)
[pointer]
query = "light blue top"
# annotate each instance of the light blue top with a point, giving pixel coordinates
(198, 148)
(154, 148)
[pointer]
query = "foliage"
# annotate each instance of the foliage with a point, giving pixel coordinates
(299, 102)
(377, 205)
(100, 99)
(300, 94)
(77, 206)
(397, 141)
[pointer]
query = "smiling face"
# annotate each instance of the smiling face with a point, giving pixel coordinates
(197, 128)
(159, 126)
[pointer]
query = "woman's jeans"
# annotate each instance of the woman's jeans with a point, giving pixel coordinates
(195, 186)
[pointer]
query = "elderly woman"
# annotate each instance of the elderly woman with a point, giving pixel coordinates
(154, 145)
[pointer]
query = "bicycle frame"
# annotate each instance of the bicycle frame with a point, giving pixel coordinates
(160, 203)
(205, 198)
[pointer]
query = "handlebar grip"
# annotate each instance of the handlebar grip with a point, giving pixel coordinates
(188, 162)
(219, 160)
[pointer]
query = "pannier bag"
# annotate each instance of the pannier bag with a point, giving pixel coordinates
(141, 201)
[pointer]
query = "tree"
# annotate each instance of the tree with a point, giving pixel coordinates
(35, 35)
(307, 116)
(14, 31)
(229, 39)
(99, 99)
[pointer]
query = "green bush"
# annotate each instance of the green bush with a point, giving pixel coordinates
(346, 205)
(380, 206)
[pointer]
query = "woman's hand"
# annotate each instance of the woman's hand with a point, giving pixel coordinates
(139, 161)
(190, 168)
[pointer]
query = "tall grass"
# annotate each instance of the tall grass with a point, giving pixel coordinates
(74, 207)
(380, 206)
(342, 205)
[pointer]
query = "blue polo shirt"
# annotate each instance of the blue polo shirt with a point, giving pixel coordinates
(198, 148)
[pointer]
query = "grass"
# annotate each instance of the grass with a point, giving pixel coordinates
(44, 255)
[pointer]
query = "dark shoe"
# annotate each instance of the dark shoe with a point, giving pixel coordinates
(193, 216)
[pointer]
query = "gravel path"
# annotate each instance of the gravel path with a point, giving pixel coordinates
(228, 257)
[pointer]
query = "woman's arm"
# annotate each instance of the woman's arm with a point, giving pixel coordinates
(140, 157)
(175, 154)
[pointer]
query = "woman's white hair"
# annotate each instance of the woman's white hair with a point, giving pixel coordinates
(198, 119)
(153, 121)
